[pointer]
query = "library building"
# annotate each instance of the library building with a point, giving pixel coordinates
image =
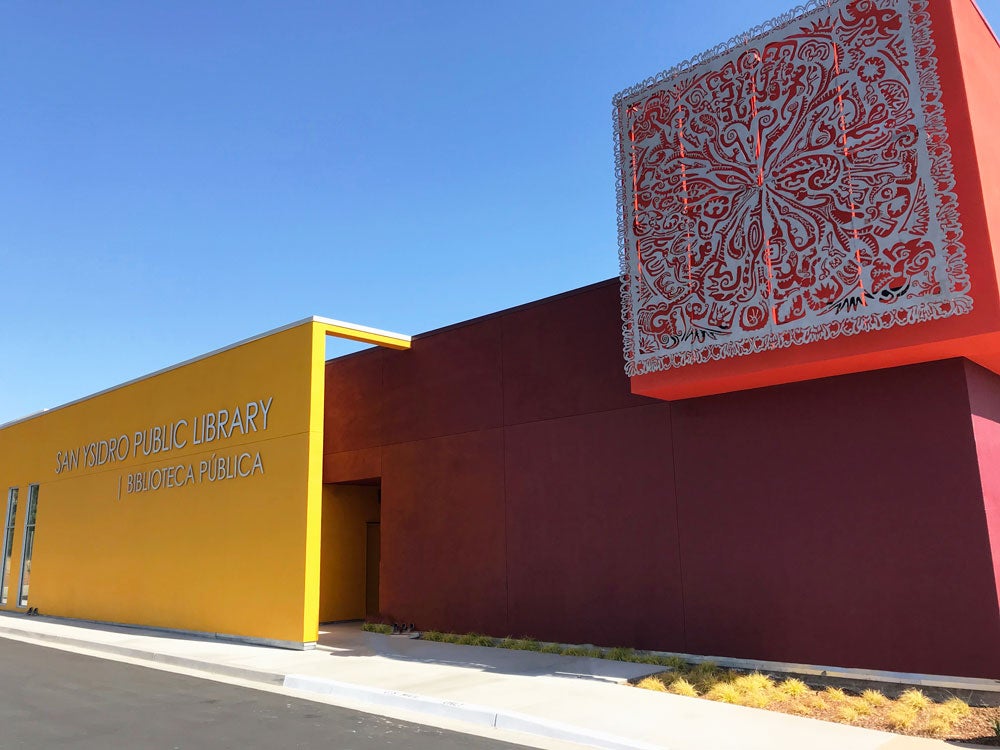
(775, 436)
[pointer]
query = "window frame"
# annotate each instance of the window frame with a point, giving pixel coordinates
(27, 545)
(7, 542)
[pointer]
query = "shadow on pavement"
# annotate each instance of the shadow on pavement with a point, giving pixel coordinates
(348, 639)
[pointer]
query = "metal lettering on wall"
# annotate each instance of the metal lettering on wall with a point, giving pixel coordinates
(206, 429)
(790, 186)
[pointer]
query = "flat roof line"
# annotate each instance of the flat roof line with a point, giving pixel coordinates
(192, 360)
(362, 329)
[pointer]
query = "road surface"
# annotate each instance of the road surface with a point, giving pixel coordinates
(52, 699)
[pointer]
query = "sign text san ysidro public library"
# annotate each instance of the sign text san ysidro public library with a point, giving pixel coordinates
(156, 440)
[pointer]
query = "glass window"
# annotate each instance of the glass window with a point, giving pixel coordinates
(8, 542)
(29, 543)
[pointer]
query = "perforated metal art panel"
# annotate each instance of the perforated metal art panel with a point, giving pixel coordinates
(789, 186)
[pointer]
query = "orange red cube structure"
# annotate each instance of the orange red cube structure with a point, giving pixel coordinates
(817, 197)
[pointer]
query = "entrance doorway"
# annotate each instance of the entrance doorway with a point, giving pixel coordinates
(350, 551)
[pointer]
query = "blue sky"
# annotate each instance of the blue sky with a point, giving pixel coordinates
(178, 176)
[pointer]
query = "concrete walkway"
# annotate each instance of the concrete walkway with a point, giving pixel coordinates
(577, 700)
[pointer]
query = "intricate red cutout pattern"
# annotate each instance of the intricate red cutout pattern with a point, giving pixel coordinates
(790, 187)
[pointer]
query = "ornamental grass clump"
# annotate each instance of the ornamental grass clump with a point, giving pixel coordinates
(901, 716)
(793, 688)
(816, 702)
(755, 690)
(475, 639)
(915, 699)
(621, 654)
(519, 644)
(847, 713)
(652, 683)
(953, 709)
(874, 698)
(861, 706)
(680, 686)
(724, 692)
(706, 675)
(836, 695)
(944, 716)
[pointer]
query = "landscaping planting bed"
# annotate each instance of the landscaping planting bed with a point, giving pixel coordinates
(900, 709)
(909, 712)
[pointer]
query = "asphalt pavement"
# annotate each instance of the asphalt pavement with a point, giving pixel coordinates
(57, 699)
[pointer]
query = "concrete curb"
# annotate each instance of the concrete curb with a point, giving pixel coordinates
(359, 694)
(225, 670)
(466, 712)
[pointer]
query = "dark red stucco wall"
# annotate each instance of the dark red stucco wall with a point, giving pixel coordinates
(525, 491)
(845, 516)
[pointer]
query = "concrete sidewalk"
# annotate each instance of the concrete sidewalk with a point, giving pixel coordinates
(578, 700)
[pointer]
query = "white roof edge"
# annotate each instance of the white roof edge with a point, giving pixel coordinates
(192, 360)
(363, 329)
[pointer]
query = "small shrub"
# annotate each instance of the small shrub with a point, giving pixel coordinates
(848, 713)
(706, 668)
(792, 687)
(652, 659)
(953, 710)
(914, 699)
(939, 726)
(755, 700)
(652, 683)
(816, 702)
(863, 707)
(755, 682)
(836, 695)
(704, 675)
(874, 698)
(724, 692)
(621, 654)
(587, 651)
(475, 639)
(756, 690)
(519, 644)
(551, 648)
(377, 627)
(946, 715)
(670, 662)
(433, 635)
(901, 716)
(705, 682)
(680, 686)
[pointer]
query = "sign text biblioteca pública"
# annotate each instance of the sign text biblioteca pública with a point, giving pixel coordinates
(203, 429)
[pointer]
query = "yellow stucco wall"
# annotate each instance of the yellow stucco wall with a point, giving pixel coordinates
(220, 546)
(346, 511)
